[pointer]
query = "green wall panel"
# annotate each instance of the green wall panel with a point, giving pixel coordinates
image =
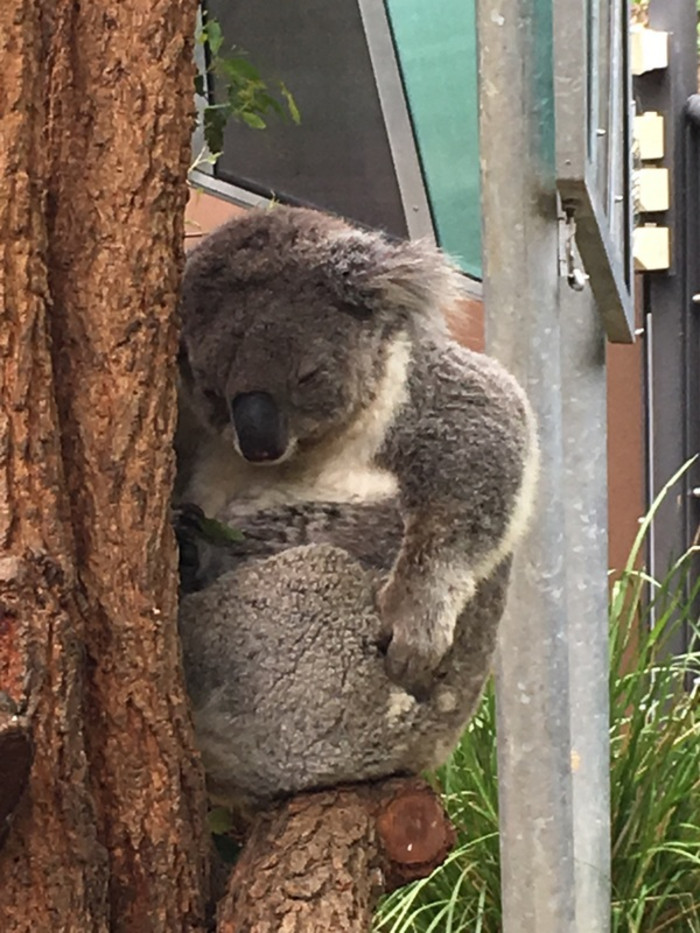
(436, 46)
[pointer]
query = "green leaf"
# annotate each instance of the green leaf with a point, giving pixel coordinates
(217, 532)
(215, 119)
(291, 103)
(264, 102)
(214, 35)
(219, 820)
(247, 97)
(242, 67)
(253, 120)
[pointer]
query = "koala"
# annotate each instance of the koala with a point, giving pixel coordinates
(284, 662)
(315, 367)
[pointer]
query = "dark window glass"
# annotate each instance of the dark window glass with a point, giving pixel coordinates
(339, 157)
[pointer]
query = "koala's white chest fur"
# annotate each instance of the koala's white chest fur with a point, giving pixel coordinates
(339, 472)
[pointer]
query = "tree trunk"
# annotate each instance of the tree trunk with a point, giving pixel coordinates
(95, 118)
(319, 862)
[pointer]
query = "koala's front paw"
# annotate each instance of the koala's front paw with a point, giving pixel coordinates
(187, 522)
(420, 639)
(412, 665)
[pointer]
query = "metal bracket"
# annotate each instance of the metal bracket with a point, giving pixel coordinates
(574, 274)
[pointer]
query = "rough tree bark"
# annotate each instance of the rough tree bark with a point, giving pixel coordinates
(95, 113)
(319, 862)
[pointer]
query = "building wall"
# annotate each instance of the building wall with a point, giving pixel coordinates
(625, 393)
(626, 448)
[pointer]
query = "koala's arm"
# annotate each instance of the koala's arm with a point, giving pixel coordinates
(369, 532)
(464, 451)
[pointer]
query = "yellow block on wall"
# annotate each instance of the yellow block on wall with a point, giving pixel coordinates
(648, 48)
(649, 134)
(652, 248)
(653, 189)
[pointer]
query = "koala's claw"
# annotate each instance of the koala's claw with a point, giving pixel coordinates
(383, 642)
(187, 515)
(411, 669)
(418, 640)
(187, 523)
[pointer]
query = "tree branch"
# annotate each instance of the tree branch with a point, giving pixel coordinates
(320, 861)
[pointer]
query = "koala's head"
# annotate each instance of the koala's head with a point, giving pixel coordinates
(289, 320)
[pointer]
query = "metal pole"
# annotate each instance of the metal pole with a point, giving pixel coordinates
(552, 665)
(521, 290)
(586, 521)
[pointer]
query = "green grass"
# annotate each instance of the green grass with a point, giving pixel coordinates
(655, 781)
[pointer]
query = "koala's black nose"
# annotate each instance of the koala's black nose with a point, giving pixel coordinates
(260, 426)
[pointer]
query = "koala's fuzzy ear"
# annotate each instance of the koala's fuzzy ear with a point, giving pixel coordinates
(418, 277)
(412, 278)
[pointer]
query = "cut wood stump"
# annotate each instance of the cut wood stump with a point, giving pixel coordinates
(320, 861)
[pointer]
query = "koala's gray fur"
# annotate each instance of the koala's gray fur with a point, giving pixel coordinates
(343, 331)
(370, 532)
(287, 680)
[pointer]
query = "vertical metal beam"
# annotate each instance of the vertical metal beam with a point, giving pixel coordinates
(552, 667)
(692, 266)
(584, 400)
(521, 290)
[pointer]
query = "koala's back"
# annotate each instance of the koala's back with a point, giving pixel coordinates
(288, 696)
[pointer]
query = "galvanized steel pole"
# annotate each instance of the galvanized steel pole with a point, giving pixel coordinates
(586, 526)
(560, 571)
